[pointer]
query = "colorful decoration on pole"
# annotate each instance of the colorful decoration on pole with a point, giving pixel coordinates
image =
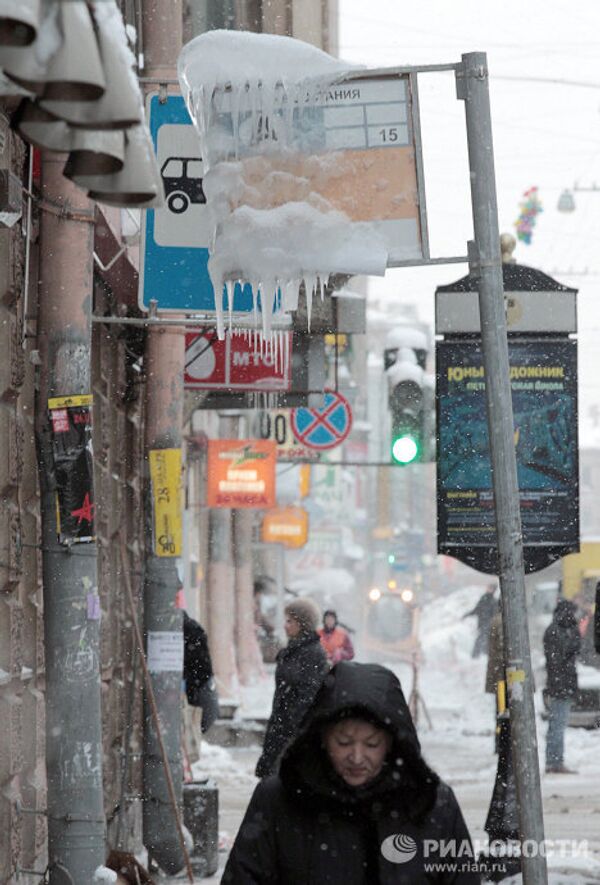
(530, 207)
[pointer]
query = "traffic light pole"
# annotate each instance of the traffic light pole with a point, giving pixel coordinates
(486, 263)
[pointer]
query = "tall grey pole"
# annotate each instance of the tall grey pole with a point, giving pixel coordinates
(163, 366)
(486, 263)
(76, 824)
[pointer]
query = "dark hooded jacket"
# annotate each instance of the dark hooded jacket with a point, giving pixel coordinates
(306, 826)
(597, 620)
(301, 666)
(562, 644)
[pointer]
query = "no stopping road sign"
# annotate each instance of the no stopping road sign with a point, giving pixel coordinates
(326, 427)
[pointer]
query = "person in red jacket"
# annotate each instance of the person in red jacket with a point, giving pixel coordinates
(335, 640)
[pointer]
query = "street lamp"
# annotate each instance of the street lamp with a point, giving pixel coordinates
(566, 202)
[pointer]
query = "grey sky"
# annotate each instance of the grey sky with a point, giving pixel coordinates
(545, 134)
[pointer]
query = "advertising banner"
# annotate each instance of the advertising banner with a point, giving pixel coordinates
(241, 473)
(165, 475)
(287, 526)
(544, 394)
(71, 420)
(236, 363)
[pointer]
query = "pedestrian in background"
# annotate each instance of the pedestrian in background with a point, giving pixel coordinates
(335, 639)
(562, 644)
(354, 802)
(484, 611)
(597, 619)
(495, 675)
(300, 668)
(199, 684)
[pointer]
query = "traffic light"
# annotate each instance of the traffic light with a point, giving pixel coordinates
(411, 401)
(405, 397)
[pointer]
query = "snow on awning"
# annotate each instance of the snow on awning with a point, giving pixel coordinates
(267, 179)
(74, 63)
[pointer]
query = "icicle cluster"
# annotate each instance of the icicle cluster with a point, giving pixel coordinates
(274, 348)
(272, 228)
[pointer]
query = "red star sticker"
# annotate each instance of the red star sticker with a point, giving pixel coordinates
(86, 511)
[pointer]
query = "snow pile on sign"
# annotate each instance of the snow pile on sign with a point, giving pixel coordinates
(251, 97)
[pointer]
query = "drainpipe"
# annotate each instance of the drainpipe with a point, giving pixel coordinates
(76, 824)
(163, 363)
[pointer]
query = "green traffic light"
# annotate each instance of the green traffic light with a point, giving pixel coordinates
(405, 449)
(391, 559)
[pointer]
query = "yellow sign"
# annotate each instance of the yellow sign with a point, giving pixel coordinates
(165, 474)
(66, 402)
(287, 526)
(304, 484)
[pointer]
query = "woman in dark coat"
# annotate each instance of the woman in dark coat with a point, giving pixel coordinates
(354, 803)
(301, 666)
(562, 644)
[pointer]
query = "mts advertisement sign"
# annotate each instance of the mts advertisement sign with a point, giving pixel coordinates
(236, 363)
(543, 376)
(241, 473)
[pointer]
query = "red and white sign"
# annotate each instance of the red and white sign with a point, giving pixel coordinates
(236, 363)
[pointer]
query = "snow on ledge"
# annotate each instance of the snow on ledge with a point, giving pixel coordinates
(267, 187)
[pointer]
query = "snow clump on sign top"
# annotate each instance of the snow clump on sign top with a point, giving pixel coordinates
(273, 189)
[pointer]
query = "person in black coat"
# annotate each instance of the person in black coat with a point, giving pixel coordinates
(484, 611)
(562, 644)
(597, 620)
(200, 686)
(354, 802)
(300, 668)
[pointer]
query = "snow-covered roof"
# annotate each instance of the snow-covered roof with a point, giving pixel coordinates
(238, 58)
(404, 370)
(406, 336)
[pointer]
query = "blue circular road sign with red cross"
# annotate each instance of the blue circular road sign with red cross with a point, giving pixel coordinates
(326, 427)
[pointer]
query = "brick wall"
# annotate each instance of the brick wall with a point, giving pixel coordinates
(22, 771)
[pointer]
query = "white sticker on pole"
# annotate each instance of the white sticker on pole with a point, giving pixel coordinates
(165, 652)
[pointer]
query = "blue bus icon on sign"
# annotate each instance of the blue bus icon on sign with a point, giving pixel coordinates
(174, 253)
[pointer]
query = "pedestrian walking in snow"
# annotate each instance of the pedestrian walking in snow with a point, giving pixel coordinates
(354, 803)
(200, 686)
(335, 639)
(597, 619)
(484, 611)
(495, 675)
(562, 644)
(495, 666)
(300, 668)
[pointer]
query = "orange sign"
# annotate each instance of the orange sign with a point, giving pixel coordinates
(287, 526)
(241, 473)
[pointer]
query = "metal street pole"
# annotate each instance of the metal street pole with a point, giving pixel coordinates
(163, 627)
(486, 263)
(76, 824)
